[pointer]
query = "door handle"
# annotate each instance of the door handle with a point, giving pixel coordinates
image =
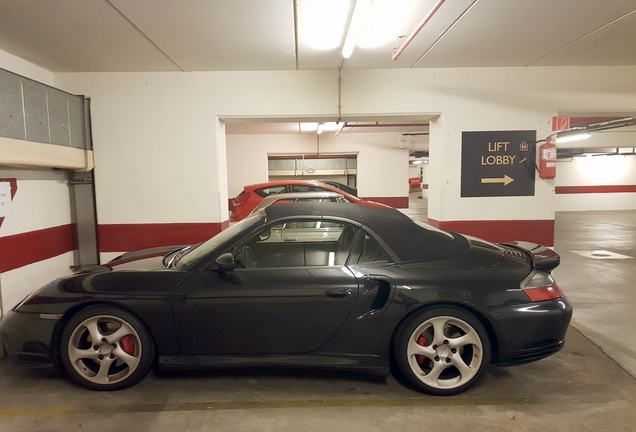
(337, 292)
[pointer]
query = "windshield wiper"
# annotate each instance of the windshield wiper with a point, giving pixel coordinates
(177, 256)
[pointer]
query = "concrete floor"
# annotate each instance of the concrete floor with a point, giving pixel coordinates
(585, 387)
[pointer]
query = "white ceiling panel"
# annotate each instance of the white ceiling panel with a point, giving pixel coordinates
(611, 45)
(201, 35)
(76, 35)
(518, 32)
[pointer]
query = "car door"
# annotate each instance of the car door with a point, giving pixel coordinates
(284, 297)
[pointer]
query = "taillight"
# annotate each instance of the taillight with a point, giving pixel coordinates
(241, 199)
(541, 286)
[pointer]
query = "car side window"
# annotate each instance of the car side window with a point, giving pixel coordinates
(307, 188)
(267, 191)
(297, 243)
(368, 251)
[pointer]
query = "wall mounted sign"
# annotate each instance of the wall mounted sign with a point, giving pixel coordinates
(498, 163)
(560, 124)
(5, 198)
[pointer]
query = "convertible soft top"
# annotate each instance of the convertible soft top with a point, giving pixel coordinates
(410, 241)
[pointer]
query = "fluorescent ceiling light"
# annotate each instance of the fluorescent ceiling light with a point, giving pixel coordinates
(417, 162)
(385, 21)
(360, 13)
(329, 126)
(322, 22)
(308, 127)
(575, 137)
(320, 128)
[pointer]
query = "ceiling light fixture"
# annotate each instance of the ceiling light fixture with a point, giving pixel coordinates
(417, 162)
(320, 128)
(322, 22)
(339, 127)
(360, 12)
(575, 137)
(308, 127)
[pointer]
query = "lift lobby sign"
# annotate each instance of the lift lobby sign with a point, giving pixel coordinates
(498, 163)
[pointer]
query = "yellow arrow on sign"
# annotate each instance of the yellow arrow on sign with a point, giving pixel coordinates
(505, 180)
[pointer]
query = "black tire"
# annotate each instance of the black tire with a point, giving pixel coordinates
(442, 351)
(120, 359)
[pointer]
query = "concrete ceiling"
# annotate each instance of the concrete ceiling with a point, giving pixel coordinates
(210, 35)
(252, 35)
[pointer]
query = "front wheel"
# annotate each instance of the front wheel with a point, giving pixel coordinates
(106, 348)
(442, 351)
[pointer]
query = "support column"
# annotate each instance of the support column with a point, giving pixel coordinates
(84, 219)
(493, 218)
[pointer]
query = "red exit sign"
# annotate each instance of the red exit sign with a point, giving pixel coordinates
(560, 123)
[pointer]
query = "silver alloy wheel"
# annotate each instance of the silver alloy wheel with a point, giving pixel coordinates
(97, 349)
(445, 352)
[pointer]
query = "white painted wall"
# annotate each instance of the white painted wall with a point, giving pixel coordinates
(487, 99)
(155, 136)
(382, 168)
(42, 201)
(158, 145)
(599, 171)
(596, 171)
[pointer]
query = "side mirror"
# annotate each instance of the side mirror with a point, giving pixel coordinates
(226, 262)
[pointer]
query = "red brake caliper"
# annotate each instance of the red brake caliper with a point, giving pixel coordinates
(128, 345)
(420, 358)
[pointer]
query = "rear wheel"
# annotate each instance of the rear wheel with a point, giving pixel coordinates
(442, 351)
(106, 348)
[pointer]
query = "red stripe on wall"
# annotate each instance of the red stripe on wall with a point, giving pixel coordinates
(130, 237)
(594, 189)
(27, 248)
(395, 202)
(497, 231)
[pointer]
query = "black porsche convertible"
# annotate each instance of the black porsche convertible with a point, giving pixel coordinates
(321, 285)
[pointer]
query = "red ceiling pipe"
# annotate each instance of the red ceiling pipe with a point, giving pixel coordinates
(417, 29)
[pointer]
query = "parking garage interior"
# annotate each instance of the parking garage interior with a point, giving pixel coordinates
(129, 126)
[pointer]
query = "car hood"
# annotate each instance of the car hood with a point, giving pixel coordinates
(133, 274)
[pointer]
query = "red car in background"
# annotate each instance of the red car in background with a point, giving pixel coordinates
(252, 195)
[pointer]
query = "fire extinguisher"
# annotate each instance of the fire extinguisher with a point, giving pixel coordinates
(547, 160)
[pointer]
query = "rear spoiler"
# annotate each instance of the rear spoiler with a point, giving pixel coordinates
(543, 258)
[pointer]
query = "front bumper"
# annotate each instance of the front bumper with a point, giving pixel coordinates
(529, 332)
(28, 339)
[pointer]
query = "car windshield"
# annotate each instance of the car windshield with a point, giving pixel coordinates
(205, 248)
